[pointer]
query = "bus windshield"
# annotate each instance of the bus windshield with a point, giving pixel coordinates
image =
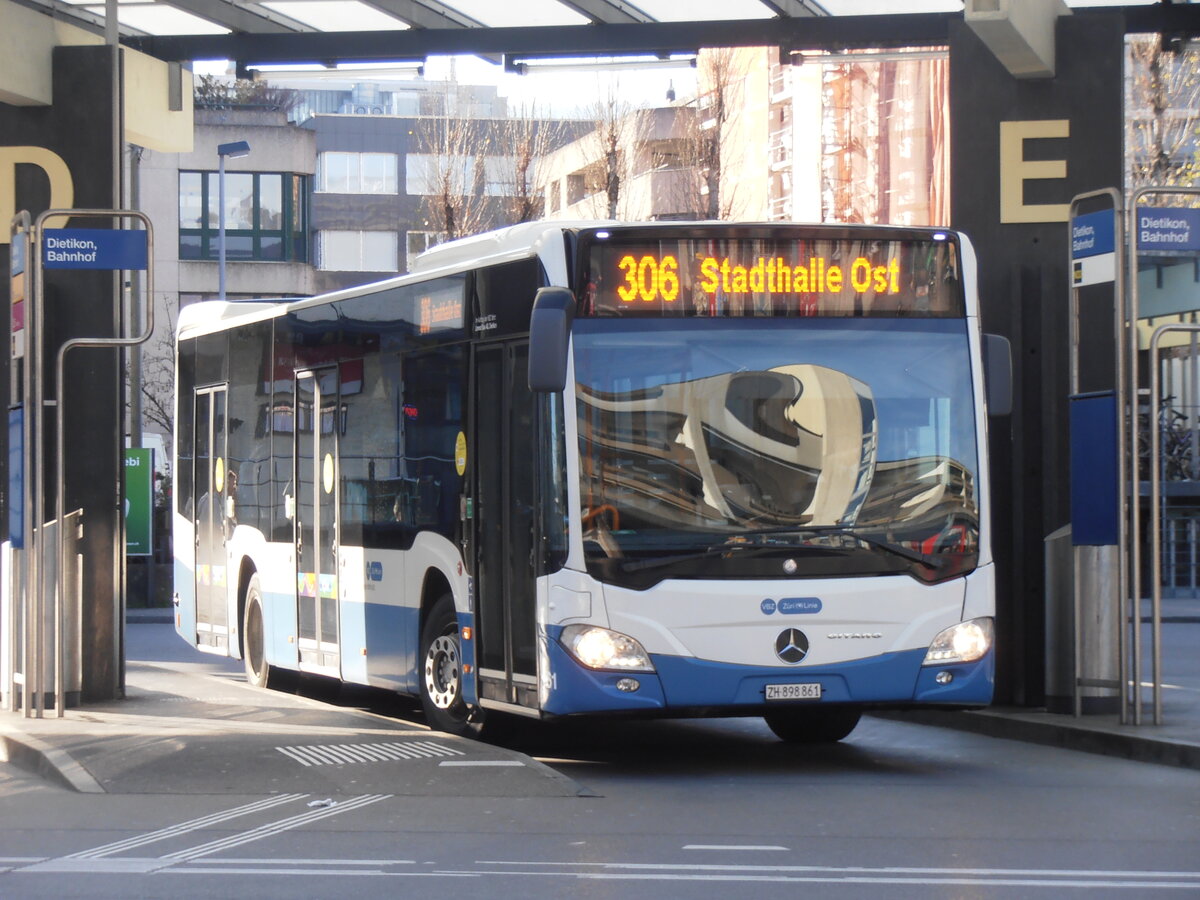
(752, 447)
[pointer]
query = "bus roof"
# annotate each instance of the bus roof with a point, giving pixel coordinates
(502, 245)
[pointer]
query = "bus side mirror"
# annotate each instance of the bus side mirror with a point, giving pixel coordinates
(549, 335)
(997, 374)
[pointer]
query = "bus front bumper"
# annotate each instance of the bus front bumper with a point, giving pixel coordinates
(680, 684)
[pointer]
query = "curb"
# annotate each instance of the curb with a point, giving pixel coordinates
(1067, 735)
(28, 753)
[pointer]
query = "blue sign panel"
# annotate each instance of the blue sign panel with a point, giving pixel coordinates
(1095, 498)
(16, 477)
(16, 259)
(798, 606)
(93, 248)
(1093, 234)
(1168, 228)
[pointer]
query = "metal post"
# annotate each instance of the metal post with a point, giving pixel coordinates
(1126, 457)
(1135, 548)
(233, 150)
(221, 227)
(1155, 511)
(35, 409)
(60, 440)
(22, 222)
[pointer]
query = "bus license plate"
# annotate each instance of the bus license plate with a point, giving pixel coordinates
(806, 691)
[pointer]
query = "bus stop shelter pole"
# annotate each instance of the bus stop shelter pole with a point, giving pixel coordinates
(1155, 515)
(1152, 418)
(60, 430)
(1116, 198)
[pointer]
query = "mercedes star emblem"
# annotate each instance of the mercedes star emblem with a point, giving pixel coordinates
(791, 646)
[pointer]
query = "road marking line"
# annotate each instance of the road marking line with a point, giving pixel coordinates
(856, 876)
(481, 763)
(343, 754)
(185, 827)
(120, 865)
(253, 861)
(856, 870)
(273, 828)
(184, 870)
(733, 847)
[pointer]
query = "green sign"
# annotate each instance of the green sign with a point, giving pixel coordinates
(139, 501)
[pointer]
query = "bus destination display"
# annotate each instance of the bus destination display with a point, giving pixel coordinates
(756, 277)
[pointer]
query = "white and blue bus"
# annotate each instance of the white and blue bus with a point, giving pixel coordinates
(664, 469)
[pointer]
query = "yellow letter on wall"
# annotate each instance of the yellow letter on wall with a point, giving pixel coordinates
(1015, 170)
(62, 187)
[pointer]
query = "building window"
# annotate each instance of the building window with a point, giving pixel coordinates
(431, 175)
(265, 216)
(358, 251)
(418, 243)
(357, 173)
(576, 187)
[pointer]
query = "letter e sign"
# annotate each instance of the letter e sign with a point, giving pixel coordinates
(1015, 170)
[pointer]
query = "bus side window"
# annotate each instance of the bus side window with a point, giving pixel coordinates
(433, 392)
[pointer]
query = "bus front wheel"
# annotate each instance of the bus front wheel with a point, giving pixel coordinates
(442, 675)
(258, 672)
(812, 725)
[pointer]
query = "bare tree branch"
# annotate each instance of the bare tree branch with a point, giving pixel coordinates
(1163, 119)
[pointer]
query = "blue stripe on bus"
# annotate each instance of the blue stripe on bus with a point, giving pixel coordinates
(888, 678)
(390, 634)
(470, 684)
(279, 629)
(687, 682)
(576, 689)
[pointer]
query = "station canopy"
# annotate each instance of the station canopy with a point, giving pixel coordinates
(519, 33)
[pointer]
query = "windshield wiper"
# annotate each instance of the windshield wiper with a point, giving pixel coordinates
(738, 542)
(637, 565)
(924, 559)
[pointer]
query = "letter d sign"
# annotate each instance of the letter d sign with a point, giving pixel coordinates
(62, 188)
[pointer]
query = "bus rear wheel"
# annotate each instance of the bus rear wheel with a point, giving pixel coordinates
(812, 725)
(442, 674)
(258, 671)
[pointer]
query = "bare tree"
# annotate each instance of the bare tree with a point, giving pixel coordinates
(527, 140)
(158, 374)
(1163, 118)
(613, 135)
(718, 70)
(453, 161)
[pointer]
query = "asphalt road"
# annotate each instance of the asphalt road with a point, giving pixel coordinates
(698, 809)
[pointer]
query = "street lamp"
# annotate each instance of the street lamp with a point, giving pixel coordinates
(232, 150)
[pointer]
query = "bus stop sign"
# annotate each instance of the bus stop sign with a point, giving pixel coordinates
(93, 248)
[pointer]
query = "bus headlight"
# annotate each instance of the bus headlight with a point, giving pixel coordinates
(964, 642)
(600, 648)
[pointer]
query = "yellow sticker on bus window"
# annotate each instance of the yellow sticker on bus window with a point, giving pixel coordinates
(460, 453)
(327, 473)
(219, 475)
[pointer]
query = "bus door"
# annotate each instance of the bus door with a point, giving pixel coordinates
(503, 452)
(210, 472)
(318, 422)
